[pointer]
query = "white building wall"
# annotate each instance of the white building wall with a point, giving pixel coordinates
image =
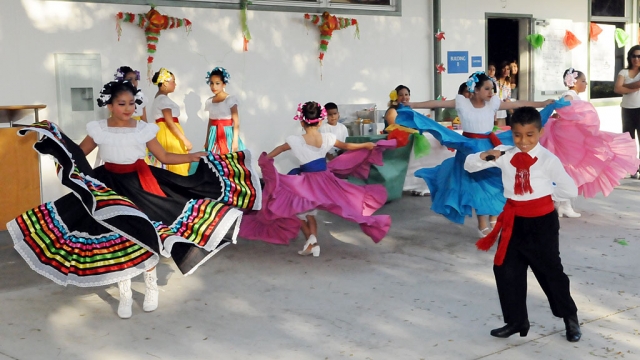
(464, 24)
(280, 69)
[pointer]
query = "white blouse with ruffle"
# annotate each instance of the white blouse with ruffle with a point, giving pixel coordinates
(306, 153)
(121, 145)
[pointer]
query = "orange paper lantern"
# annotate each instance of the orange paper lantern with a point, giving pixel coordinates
(594, 31)
(570, 40)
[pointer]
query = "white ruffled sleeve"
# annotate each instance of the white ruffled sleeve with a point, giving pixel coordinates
(293, 141)
(329, 141)
(207, 105)
(146, 132)
(495, 102)
(461, 102)
(231, 101)
(95, 131)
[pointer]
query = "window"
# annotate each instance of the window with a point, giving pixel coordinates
(362, 2)
(608, 8)
(610, 14)
(374, 7)
(604, 89)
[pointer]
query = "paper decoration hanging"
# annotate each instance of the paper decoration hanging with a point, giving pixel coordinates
(440, 68)
(594, 31)
(440, 35)
(536, 40)
(570, 40)
(327, 23)
(621, 37)
(152, 23)
(246, 35)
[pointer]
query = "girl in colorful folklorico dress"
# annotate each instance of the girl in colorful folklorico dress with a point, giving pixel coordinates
(223, 132)
(133, 76)
(121, 216)
(312, 187)
(455, 193)
(426, 152)
(165, 112)
(596, 160)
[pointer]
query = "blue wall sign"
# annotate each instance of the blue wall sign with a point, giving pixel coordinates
(458, 62)
(476, 61)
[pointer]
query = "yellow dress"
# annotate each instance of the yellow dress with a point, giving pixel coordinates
(165, 137)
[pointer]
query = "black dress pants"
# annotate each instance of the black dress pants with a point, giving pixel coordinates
(533, 243)
(631, 121)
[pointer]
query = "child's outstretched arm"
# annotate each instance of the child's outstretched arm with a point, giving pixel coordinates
(480, 161)
(236, 128)
(510, 105)
(565, 187)
(433, 104)
(171, 158)
(279, 150)
(87, 145)
(353, 146)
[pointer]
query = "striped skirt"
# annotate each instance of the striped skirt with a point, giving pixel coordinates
(109, 229)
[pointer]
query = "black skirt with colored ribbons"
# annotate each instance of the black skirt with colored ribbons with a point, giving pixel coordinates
(108, 228)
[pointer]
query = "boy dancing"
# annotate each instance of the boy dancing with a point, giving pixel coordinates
(528, 226)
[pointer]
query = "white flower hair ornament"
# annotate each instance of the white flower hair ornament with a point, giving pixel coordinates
(119, 75)
(109, 88)
(225, 74)
(571, 78)
(300, 115)
(473, 80)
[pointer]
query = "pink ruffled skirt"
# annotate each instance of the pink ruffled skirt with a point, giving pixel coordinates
(596, 160)
(284, 196)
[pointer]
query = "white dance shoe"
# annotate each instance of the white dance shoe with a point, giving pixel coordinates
(311, 247)
(484, 232)
(565, 209)
(151, 293)
(126, 299)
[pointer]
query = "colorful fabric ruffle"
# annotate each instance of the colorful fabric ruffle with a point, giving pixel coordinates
(99, 234)
(285, 196)
(596, 160)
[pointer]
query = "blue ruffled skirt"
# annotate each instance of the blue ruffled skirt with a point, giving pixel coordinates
(454, 191)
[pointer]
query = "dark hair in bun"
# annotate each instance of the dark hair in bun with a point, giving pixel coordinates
(113, 89)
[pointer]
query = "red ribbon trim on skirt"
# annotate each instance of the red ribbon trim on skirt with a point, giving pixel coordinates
(530, 208)
(491, 136)
(221, 138)
(175, 120)
(147, 180)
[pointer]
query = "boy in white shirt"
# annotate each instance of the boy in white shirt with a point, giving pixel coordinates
(528, 226)
(332, 126)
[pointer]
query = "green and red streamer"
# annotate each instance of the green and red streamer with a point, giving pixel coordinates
(327, 24)
(152, 23)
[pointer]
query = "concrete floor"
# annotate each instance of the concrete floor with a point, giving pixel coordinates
(424, 292)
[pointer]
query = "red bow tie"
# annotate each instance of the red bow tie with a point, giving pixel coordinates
(522, 161)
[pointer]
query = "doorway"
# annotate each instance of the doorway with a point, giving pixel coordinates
(506, 43)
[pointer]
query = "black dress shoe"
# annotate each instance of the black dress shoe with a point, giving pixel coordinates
(573, 328)
(510, 329)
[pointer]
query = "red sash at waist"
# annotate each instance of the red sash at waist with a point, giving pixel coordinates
(491, 136)
(513, 208)
(220, 146)
(147, 180)
(175, 120)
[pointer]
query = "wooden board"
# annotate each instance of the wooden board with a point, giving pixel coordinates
(20, 180)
